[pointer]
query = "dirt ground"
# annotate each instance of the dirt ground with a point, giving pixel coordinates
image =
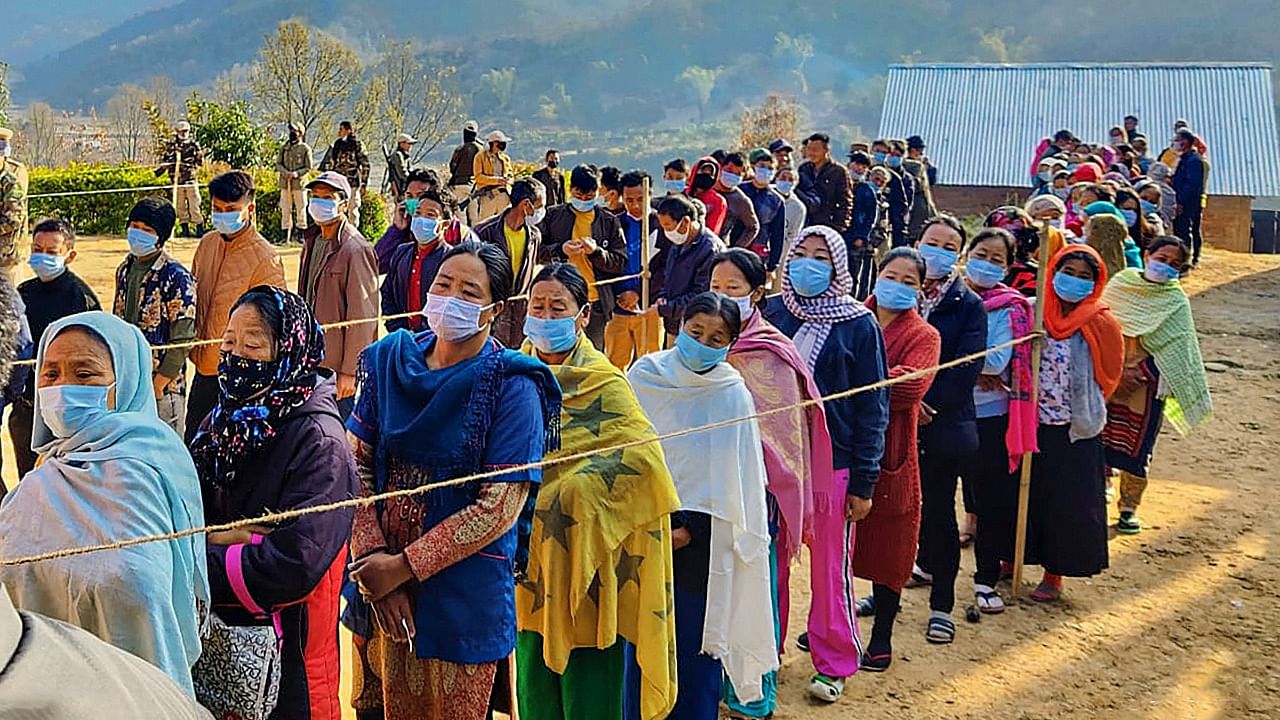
(1184, 623)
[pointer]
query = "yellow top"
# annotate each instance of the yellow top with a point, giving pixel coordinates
(582, 229)
(517, 242)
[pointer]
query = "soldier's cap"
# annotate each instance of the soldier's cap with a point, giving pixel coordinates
(335, 180)
(406, 137)
(471, 125)
(6, 134)
(183, 125)
(915, 142)
(779, 145)
(498, 136)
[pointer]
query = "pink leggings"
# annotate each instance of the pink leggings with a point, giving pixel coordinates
(834, 642)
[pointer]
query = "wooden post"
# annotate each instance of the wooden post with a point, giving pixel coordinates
(177, 171)
(1024, 482)
(644, 268)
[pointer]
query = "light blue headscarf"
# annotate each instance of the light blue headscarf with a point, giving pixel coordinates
(126, 475)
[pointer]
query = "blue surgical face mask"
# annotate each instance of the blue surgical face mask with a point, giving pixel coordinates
(1147, 207)
(141, 242)
(729, 179)
(894, 161)
(1130, 217)
(582, 206)
(696, 356)
(1045, 175)
(939, 262)
(893, 295)
(452, 319)
(809, 277)
(47, 267)
(555, 335)
(1071, 288)
(879, 157)
(1158, 272)
(424, 228)
(1062, 193)
(764, 175)
(228, 223)
(674, 186)
(786, 187)
(324, 210)
(983, 273)
(68, 409)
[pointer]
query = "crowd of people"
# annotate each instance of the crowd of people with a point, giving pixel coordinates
(645, 572)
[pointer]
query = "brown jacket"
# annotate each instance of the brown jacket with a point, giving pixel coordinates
(346, 288)
(486, 174)
(224, 271)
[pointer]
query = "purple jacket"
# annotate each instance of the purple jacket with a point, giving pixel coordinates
(395, 286)
(386, 246)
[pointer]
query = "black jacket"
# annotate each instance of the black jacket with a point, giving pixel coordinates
(554, 185)
(688, 273)
(827, 194)
(610, 258)
(509, 327)
(961, 320)
(1188, 182)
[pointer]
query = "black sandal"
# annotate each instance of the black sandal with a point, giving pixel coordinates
(875, 663)
(940, 630)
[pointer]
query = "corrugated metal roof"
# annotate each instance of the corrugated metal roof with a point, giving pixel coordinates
(983, 122)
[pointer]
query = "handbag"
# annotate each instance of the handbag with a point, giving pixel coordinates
(238, 674)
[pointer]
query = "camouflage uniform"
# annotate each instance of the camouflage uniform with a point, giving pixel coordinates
(13, 206)
(188, 190)
(347, 157)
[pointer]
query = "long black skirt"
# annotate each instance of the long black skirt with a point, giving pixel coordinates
(1067, 524)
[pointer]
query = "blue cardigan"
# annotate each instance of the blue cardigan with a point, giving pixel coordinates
(961, 320)
(852, 356)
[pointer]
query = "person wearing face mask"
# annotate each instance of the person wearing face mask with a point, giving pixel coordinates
(515, 231)
(16, 343)
(1023, 267)
(462, 161)
(701, 187)
(228, 261)
(1189, 182)
(901, 190)
(842, 346)
(797, 445)
(112, 464)
(157, 294)
(54, 293)
(275, 398)
(623, 504)
(724, 623)
(412, 266)
(492, 171)
(1081, 366)
(552, 178)
(863, 230)
(13, 202)
(688, 269)
(1140, 231)
(741, 224)
(338, 277)
(590, 237)
(399, 233)
(347, 158)
(1163, 377)
(768, 205)
(293, 165)
(1005, 418)
(433, 600)
(610, 197)
(181, 160)
(888, 535)
(948, 431)
(1049, 209)
(631, 332)
(795, 213)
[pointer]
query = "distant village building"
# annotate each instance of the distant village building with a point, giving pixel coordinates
(983, 122)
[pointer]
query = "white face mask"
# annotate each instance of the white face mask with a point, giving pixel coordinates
(745, 306)
(677, 237)
(453, 319)
(537, 216)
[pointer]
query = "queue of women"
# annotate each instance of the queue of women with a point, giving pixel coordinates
(644, 571)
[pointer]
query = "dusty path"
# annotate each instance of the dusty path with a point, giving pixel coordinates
(1184, 624)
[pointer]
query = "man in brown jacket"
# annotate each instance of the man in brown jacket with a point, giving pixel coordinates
(338, 277)
(229, 261)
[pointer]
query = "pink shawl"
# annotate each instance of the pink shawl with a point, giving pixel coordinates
(797, 449)
(1024, 420)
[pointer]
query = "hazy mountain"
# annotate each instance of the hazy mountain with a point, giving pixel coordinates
(34, 30)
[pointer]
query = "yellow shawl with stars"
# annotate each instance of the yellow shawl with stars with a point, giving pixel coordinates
(600, 553)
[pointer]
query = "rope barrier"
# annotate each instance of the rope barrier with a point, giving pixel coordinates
(145, 188)
(281, 516)
(341, 324)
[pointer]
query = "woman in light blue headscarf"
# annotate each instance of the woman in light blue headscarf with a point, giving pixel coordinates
(111, 471)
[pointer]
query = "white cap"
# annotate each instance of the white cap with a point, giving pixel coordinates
(183, 125)
(471, 125)
(406, 137)
(498, 136)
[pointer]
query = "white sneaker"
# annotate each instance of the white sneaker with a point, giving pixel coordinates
(826, 689)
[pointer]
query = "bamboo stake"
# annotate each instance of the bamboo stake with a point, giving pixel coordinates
(177, 171)
(1024, 482)
(644, 270)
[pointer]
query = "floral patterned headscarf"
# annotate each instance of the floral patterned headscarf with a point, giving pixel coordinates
(235, 429)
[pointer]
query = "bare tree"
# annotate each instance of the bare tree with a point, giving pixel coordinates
(232, 86)
(502, 83)
(41, 143)
(130, 123)
(4, 94)
(403, 96)
(304, 75)
(164, 95)
(776, 118)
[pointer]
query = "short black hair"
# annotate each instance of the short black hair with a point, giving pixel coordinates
(346, 125)
(526, 189)
(551, 152)
(907, 252)
(860, 157)
(585, 178)
(427, 176)
(880, 141)
(1169, 240)
(948, 220)
(1063, 136)
(232, 186)
(568, 276)
(634, 178)
(748, 263)
(1186, 136)
(995, 233)
(676, 207)
(734, 158)
(819, 137)
(442, 196)
(611, 178)
(1131, 117)
(677, 164)
(898, 145)
(57, 225)
(496, 266)
(713, 303)
(158, 213)
(719, 155)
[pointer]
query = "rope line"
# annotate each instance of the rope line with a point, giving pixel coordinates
(275, 518)
(145, 188)
(341, 324)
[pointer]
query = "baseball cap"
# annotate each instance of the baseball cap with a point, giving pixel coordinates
(779, 145)
(184, 125)
(337, 181)
(471, 125)
(759, 154)
(498, 136)
(405, 137)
